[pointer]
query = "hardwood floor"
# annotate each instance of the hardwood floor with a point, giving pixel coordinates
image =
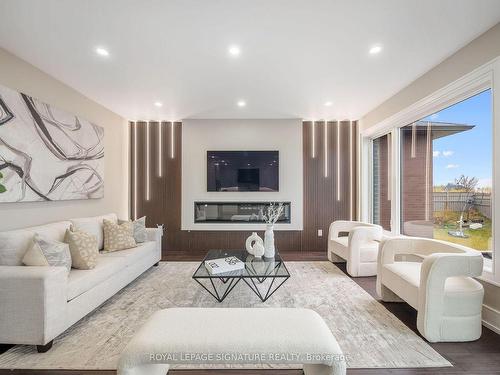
(481, 357)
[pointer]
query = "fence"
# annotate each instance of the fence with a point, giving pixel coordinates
(455, 201)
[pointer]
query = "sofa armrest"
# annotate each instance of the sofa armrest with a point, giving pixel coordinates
(436, 268)
(155, 234)
(32, 304)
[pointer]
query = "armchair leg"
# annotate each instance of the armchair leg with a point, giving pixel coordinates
(44, 348)
(156, 264)
(334, 258)
(388, 295)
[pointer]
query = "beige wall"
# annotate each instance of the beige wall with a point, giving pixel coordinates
(478, 52)
(19, 75)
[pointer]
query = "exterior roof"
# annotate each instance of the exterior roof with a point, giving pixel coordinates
(442, 129)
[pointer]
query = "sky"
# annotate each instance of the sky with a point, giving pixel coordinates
(470, 152)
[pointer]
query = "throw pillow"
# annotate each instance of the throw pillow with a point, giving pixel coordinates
(83, 248)
(140, 234)
(47, 252)
(118, 236)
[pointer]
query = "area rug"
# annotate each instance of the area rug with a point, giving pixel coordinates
(369, 335)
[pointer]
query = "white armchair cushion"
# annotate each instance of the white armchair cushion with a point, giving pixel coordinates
(404, 278)
(340, 246)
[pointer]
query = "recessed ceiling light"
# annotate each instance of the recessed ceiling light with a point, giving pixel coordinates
(158, 104)
(102, 51)
(241, 103)
(328, 104)
(234, 50)
(375, 49)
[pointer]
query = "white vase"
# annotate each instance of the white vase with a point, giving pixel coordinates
(251, 241)
(258, 249)
(269, 250)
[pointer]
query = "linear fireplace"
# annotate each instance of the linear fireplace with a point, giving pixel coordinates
(236, 212)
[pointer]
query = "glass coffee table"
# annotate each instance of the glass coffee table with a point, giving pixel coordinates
(264, 276)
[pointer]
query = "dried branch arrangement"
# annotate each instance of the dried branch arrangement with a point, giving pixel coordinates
(273, 212)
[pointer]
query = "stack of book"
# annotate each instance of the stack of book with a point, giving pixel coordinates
(223, 265)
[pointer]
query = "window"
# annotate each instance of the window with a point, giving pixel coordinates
(446, 173)
(381, 178)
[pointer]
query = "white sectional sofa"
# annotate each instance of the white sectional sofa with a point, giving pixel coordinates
(440, 286)
(39, 303)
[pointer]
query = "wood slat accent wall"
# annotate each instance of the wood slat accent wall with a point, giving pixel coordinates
(323, 203)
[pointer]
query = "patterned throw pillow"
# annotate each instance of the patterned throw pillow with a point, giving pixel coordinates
(118, 236)
(83, 248)
(140, 234)
(46, 252)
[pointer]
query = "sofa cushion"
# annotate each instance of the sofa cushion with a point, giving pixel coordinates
(15, 243)
(83, 248)
(94, 226)
(80, 281)
(47, 252)
(135, 254)
(140, 233)
(118, 236)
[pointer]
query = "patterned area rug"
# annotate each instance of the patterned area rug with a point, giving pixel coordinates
(369, 335)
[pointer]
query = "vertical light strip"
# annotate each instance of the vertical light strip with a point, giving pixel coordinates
(413, 140)
(147, 162)
(135, 171)
(313, 139)
(351, 172)
(338, 160)
(325, 135)
(160, 149)
(428, 158)
(389, 166)
(172, 140)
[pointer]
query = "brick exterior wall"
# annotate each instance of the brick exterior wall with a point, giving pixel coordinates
(413, 184)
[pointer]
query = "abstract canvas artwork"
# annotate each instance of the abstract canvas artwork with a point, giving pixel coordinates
(47, 154)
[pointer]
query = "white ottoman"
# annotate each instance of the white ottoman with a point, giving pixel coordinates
(233, 336)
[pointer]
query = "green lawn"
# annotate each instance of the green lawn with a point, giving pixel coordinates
(479, 239)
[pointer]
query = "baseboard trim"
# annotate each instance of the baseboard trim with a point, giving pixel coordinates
(491, 318)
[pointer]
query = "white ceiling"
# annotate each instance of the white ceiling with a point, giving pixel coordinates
(295, 55)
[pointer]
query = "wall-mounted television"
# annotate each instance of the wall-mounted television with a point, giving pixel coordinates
(242, 170)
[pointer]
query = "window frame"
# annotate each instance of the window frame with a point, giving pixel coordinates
(481, 79)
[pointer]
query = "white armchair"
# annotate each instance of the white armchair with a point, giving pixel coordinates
(440, 288)
(359, 249)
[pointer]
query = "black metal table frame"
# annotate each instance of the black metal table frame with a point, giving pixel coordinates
(234, 280)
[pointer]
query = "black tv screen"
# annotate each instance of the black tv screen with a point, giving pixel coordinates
(242, 170)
